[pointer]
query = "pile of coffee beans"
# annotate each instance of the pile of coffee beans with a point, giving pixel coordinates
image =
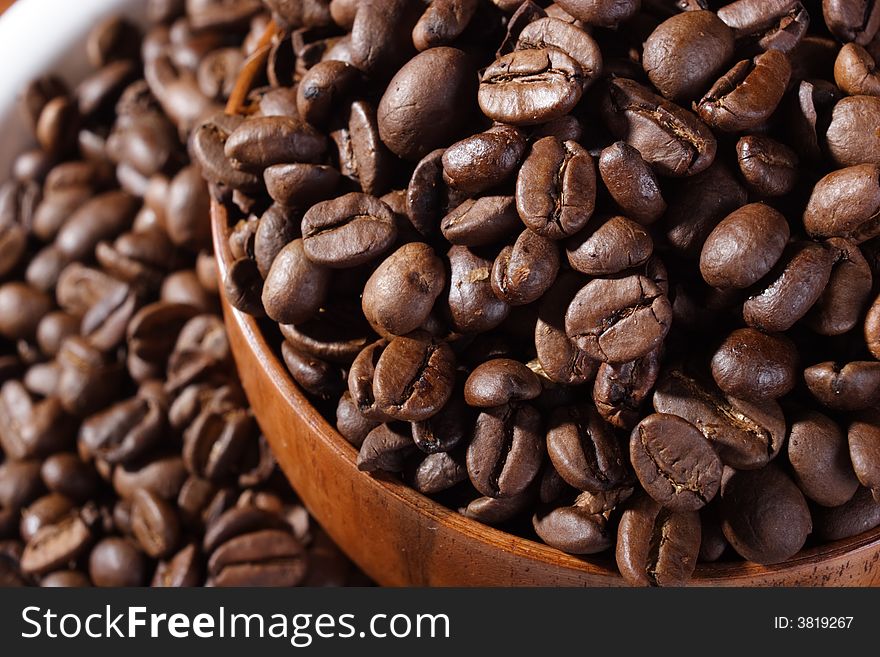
(128, 453)
(602, 272)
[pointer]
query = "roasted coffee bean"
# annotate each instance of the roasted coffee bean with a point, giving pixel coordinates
(297, 185)
(769, 167)
(56, 545)
(263, 558)
(671, 139)
(872, 328)
(657, 546)
(473, 306)
(215, 443)
(46, 510)
(29, 428)
(618, 320)
(560, 358)
(699, 206)
(763, 514)
(260, 142)
(527, 87)
(500, 381)
(621, 389)
(163, 476)
(386, 448)
(21, 309)
(482, 221)
(849, 387)
(443, 22)
(552, 32)
(506, 451)
(400, 294)
(776, 25)
(852, 21)
(425, 194)
(753, 365)
(362, 156)
(414, 377)
(602, 13)
(315, 376)
(66, 579)
(791, 288)
(154, 523)
(381, 35)
(609, 248)
(746, 435)
(675, 464)
(748, 94)
(348, 231)
(584, 450)
(556, 188)
(631, 183)
(295, 287)
(70, 476)
(208, 147)
(852, 135)
(524, 271)
(844, 299)
(103, 217)
(412, 123)
(685, 52)
(573, 529)
(864, 449)
(495, 511)
(183, 570)
(480, 162)
(438, 472)
(859, 515)
(115, 562)
(819, 457)
(845, 204)
(446, 430)
(855, 71)
(125, 431)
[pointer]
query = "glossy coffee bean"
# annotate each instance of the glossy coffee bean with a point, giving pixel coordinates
(524, 271)
(769, 167)
(778, 25)
(603, 249)
(500, 381)
(116, 562)
(481, 221)
(844, 299)
(746, 435)
(685, 52)
(844, 203)
(763, 514)
(851, 136)
(478, 163)
(386, 448)
(295, 287)
(573, 530)
(584, 450)
(645, 524)
(621, 389)
(631, 183)
(618, 320)
(472, 304)
(855, 71)
(864, 448)
(844, 387)
(154, 523)
(819, 455)
(556, 188)
(859, 515)
(753, 365)
(263, 558)
(675, 464)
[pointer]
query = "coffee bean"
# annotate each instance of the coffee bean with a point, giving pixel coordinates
(348, 231)
(414, 377)
(21, 309)
(556, 33)
(852, 22)
(753, 365)
(115, 562)
(859, 515)
(618, 320)
(263, 558)
(506, 452)
(792, 288)
(604, 14)
(381, 35)
(482, 221)
(478, 163)
(848, 387)
(845, 204)
(66, 474)
(855, 71)
(852, 135)
(631, 183)
(671, 139)
(386, 448)
(363, 157)
(183, 570)
(621, 389)
(66, 579)
(844, 299)
(473, 306)
(260, 142)
(154, 524)
(864, 449)
(295, 287)
(584, 450)
(44, 511)
(764, 515)
(400, 294)
(675, 464)
(609, 248)
(820, 461)
(523, 272)
(442, 22)
(438, 472)
(657, 546)
(53, 546)
(500, 381)
(527, 87)
(574, 530)
(495, 511)
(778, 25)
(560, 358)
(746, 435)
(768, 166)
(684, 52)
(446, 430)
(412, 123)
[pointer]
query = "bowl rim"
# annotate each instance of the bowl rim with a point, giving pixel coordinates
(603, 564)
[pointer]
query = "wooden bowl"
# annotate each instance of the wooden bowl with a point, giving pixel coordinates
(402, 538)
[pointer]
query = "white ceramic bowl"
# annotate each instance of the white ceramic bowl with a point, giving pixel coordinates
(39, 36)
